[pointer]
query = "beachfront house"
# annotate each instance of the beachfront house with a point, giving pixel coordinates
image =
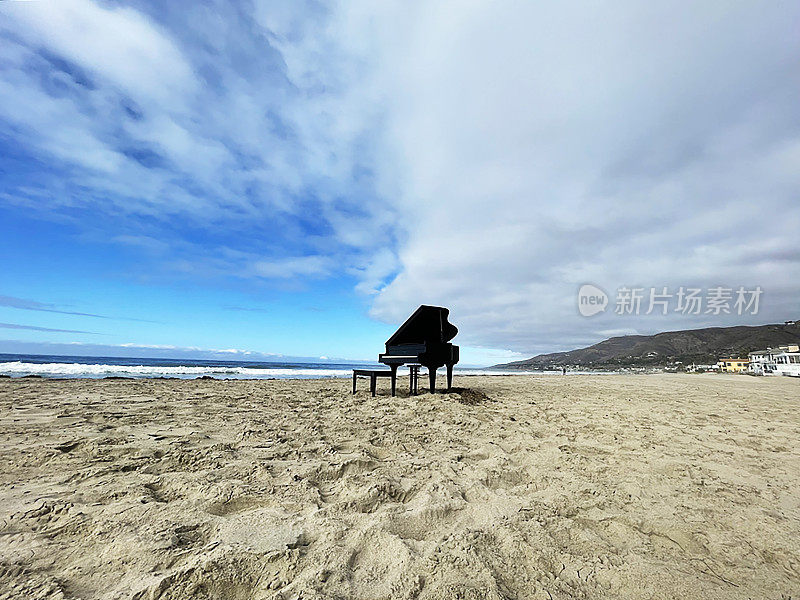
(764, 362)
(759, 362)
(732, 365)
(787, 363)
(693, 368)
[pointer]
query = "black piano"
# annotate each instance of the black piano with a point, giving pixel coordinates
(424, 339)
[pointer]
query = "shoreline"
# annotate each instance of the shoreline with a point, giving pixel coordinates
(341, 376)
(401, 374)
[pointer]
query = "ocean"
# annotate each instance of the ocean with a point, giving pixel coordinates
(98, 367)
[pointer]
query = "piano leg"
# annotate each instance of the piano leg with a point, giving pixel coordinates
(373, 384)
(394, 378)
(432, 378)
(354, 383)
(449, 375)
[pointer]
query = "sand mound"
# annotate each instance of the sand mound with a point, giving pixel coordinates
(469, 396)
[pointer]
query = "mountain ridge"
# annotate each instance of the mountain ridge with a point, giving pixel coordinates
(686, 345)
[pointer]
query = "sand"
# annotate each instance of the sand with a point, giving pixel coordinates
(662, 486)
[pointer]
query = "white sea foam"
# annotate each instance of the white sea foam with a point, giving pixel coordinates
(20, 369)
(80, 370)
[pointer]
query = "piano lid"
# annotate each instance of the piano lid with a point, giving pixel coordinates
(427, 324)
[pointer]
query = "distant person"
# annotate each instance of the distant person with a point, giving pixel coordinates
(563, 370)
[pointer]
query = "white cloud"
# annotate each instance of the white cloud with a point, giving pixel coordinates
(536, 148)
(117, 43)
(201, 118)
(293, 267)
(375, 271)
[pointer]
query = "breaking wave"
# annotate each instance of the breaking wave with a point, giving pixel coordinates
(83, 369)
(77, 370)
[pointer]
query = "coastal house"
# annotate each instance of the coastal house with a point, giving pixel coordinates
(694, 368)
(732, 365)
(764, 362)
(787, 363)
(758, 362)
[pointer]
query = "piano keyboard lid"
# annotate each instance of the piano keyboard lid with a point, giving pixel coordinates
(428, 323)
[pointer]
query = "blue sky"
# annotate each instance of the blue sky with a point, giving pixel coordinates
(296, 177)
(152, 308)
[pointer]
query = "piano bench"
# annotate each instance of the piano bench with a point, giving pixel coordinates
(373, 375)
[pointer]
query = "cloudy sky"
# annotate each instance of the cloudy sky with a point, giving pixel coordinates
(295, 178)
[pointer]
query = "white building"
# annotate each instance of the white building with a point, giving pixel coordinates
(788, 363)
(766, 362)
(693, 368)
(758, 361)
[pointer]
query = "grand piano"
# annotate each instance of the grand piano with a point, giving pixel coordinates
(424, 339)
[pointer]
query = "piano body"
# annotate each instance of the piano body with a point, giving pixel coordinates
(423, 339)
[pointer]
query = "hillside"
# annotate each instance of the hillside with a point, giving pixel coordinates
(691, 345)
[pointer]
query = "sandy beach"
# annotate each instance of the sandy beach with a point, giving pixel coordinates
(662, 486)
